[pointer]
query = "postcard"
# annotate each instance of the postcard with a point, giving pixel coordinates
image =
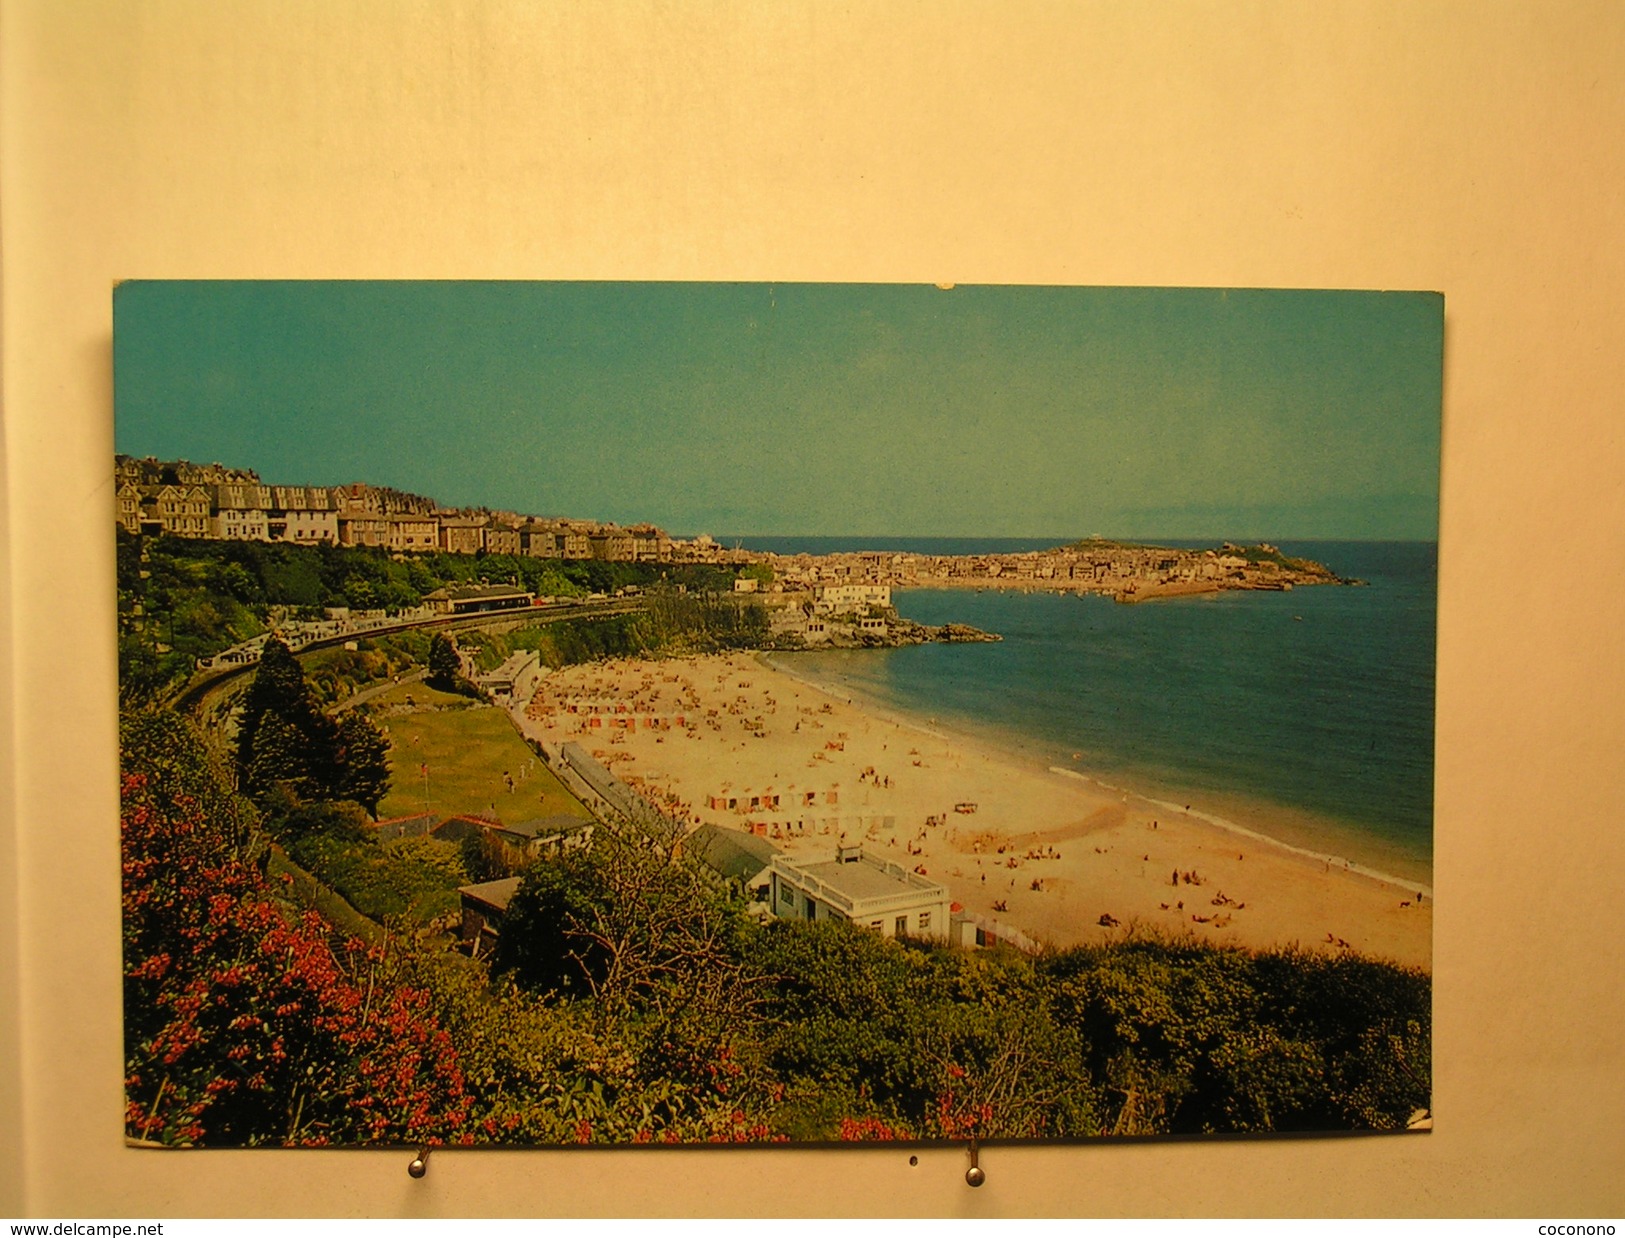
(684, 713)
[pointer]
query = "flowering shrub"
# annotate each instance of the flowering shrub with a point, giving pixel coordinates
(244, 1025)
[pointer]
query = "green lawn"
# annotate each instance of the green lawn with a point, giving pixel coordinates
(418, 693)
(467, 751)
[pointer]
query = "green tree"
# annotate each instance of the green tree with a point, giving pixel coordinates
(236, 581)
(360, 593)
(183, 777)
(143, 672)
(360, 762)
(278, 689)
(623, 922)
(291, 822)
(483, 857)
(284, 740)
(1188, 1038)
(444, 667)
(651, 953)
(280, 759)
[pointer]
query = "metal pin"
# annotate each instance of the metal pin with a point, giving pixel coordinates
(974, 1176)
(419, 1165)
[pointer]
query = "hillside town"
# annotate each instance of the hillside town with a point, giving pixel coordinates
(213, 501)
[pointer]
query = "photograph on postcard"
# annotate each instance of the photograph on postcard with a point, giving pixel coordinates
(650, 713)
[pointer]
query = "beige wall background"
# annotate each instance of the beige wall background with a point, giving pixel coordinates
(1469, 147)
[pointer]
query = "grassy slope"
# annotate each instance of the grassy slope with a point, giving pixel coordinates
(305, 890)
(466, 751)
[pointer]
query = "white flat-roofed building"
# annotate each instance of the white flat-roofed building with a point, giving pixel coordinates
(873, 893)
(843, 599)
(515, 679)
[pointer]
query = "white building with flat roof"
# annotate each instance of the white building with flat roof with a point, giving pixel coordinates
(852, 886)
(845, 599)
(515, 679)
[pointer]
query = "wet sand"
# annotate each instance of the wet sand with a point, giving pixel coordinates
(1048, 853)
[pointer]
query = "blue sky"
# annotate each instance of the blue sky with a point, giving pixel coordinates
(811, 409)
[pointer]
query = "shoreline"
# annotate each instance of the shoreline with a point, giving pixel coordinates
(1053, 852)
(1146, 794)
(1349, 866)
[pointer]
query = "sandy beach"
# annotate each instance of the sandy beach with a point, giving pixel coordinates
(729, 740)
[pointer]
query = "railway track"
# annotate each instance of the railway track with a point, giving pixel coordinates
(201, 689)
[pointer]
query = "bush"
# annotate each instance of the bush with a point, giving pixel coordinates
(243, 1024)
(415, 879)
(1193, 1038)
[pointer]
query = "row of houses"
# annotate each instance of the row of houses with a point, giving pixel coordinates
(211, 501)
(310, 515)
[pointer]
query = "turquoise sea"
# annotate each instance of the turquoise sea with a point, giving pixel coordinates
(1305, 715)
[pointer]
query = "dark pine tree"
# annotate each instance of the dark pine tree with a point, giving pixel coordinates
(281, 756)
(444, 667)
(360, 762)
(278, 689)
(284, 739)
